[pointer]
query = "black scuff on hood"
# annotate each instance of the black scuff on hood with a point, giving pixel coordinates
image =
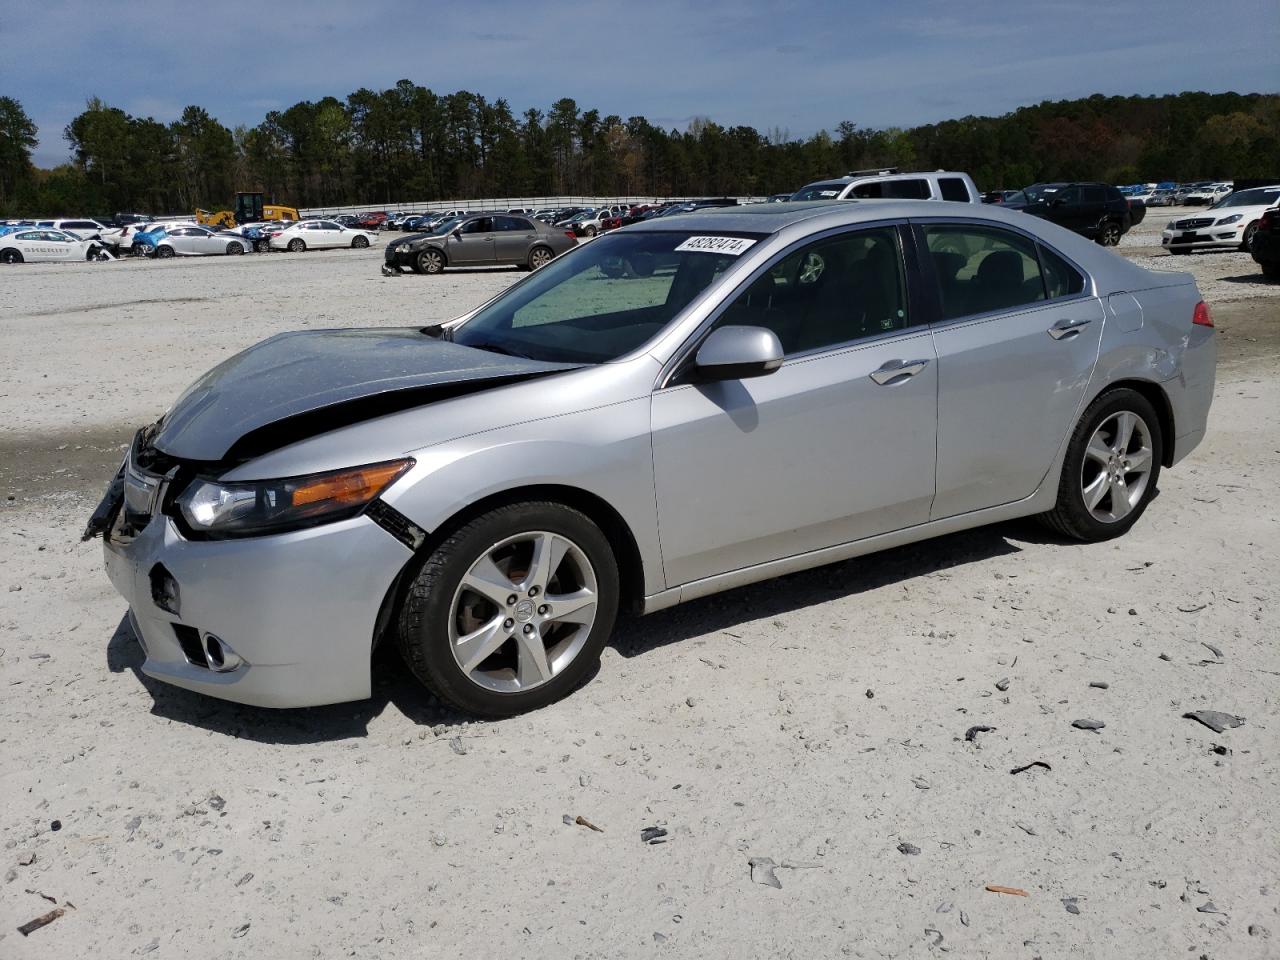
(301, 384)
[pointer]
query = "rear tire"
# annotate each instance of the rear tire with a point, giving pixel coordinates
(296, 245)
(1271, 271)
(1110, 234)
(10, 256)
(428, 620)
(1092, 457)
(539, 257)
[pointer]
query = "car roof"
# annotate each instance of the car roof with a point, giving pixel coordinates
(771, 218)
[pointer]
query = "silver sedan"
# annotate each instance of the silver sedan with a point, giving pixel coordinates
(200, 242)
(678, 408)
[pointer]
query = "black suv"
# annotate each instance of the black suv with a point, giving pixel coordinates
(1096, 210)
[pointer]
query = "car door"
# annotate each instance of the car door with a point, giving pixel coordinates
(472, 243)
(514, 237)
(332, 235)
(1017, 334)
(1093, 206)
(203, 242)
(836, 445)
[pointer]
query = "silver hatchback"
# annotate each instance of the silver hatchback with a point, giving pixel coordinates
(680, 407)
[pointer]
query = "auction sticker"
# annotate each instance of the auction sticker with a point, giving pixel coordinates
(731, 246)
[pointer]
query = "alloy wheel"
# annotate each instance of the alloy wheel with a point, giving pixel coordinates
(1117, 466)
(523, 612)
(539, 258)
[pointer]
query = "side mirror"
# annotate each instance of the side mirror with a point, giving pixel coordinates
(457, 234)
(736, 353)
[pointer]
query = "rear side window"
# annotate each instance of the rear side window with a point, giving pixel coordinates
(983, 269)
(513, 224)
(1095, 194)
(909, 189)
(1061, 279)
(953, 188)
(1113, 193)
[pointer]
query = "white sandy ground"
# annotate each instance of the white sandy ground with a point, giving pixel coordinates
(817, 720)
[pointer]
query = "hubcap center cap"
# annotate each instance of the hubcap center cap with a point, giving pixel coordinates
(525, 610)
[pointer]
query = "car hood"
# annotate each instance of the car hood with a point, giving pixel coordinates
(297, 385)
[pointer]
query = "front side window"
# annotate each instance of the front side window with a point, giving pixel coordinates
(604, 299)
(982, 269)
(830, 292)
(478, 225)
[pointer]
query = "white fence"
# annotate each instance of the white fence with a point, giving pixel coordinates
(496, 203)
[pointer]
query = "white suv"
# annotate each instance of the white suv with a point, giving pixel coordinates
(889, 184)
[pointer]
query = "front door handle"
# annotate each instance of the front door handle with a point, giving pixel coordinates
(1067, 328)
(895, 371)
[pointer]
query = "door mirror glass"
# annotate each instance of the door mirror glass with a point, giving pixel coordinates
(738, 352)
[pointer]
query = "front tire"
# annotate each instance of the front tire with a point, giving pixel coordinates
(589, 231)
(359, 243)
(234, 249)
(511, 611)
(296, 245)
(1246, 241)
(429, 261)
(164, 253)
(1111, 468)
(1271, 271)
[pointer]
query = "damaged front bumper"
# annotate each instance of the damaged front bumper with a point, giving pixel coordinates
(284, 620)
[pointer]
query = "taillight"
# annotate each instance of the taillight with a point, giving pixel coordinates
(1201, 317)
(570, 233)
(1268, 221)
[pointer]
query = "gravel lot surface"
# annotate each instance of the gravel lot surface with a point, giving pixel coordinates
(819, 720)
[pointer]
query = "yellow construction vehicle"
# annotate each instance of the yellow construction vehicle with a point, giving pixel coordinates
(249, 209)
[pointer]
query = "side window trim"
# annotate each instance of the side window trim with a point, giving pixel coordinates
(674, 367)
(932, 290)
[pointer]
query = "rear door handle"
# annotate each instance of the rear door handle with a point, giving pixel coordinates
(1067, 328)
(895, 371)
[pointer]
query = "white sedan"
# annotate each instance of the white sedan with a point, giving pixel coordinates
(321, 234)
(1228, 225)
(43, 244)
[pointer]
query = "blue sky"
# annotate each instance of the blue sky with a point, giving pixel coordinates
(795, 66)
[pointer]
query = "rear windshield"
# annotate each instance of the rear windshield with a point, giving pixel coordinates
(819, 191)
(604, 299)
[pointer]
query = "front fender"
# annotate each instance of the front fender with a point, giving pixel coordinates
(604, 452)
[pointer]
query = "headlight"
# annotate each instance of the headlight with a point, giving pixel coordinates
(1169, 225)
(218, 509)
(1231, 219)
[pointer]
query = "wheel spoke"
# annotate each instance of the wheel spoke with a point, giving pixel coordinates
(1098, 450)
(1124, 430)
(1119, 498)
(533, 667)
(477, 646)
(576, 607)
(1139, 461)
(491, 583)
(548, 552)
(1095, 491)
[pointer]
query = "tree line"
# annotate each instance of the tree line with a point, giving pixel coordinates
(409, 143)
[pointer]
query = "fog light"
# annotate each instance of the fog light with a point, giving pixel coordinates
(220, 657)
(164, 590)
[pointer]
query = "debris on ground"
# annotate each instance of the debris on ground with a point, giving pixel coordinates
(31, 926)
(1208, 907)
(910, 849)
(937, 942)
(1011, 891)
(584, 822)
(972, 733)
(1099, 684)
(1002, 685)
(1212, 649)
(762, 872)
(1071, 904)
(653, 835)
(458, 747)
(1029, 831)
(1215, 720)
(1034, 763)
(240, 931)
(1087, 724)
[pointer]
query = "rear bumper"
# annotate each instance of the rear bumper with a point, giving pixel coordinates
(1265, 248)
(1191, 392)
(299, 609)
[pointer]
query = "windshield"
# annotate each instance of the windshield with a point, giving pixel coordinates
(1260, 197)
(603, 299)
(819, 191)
